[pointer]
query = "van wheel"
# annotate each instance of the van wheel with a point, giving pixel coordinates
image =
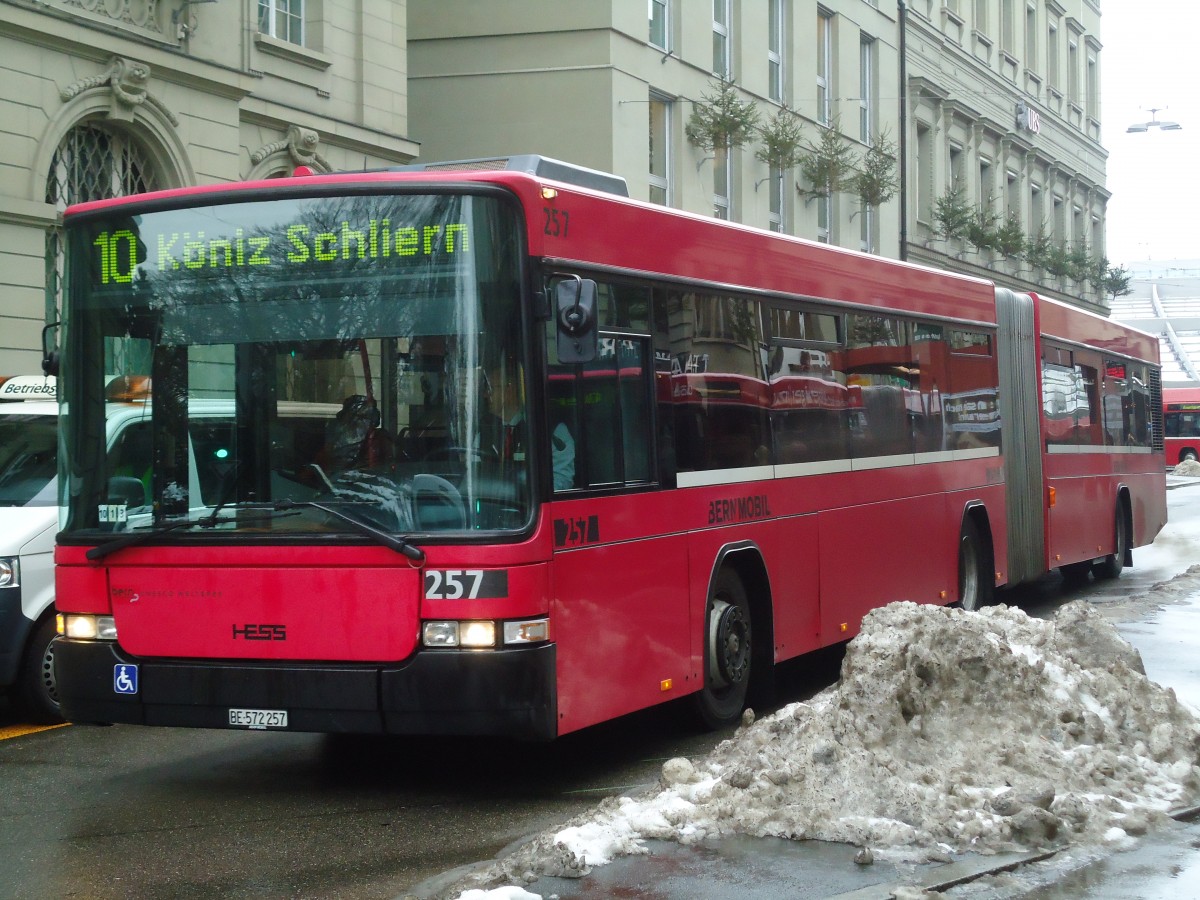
(974, 575)
(1113, 563)
(727, 653)
(37, 691)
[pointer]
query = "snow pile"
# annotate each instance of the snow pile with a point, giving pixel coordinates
(1187, 467)
(948, 731)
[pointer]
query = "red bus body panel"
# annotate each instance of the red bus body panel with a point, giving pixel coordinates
(1079, 524)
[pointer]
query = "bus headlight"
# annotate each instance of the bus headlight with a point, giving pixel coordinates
(10, 571)
(481, 635)
(472, 635)
(86, 627)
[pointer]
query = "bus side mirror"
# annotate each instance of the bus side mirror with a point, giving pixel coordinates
(575, 317)
(49, 354)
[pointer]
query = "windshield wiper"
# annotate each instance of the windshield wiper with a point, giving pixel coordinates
(134, 537)
(137, 537)
(391, 541)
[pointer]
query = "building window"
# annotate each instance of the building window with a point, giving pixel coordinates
(1073, 71)
(1012, 191)
(722, 67)
(775, 33)
(282, 19)
(91, 163)
(775, 198)
(1052, 55)
(985, 183)
(722, 176)
(1008, 39)
(866, 229)
(866, 90)
(660, 149)
(981, 16)
(1093, 86)
(955, 170)
(660, 24)
(1031, 36)
(824, 66)
(924, 179)
(825, 218)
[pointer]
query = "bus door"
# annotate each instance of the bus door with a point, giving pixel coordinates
(619, 583)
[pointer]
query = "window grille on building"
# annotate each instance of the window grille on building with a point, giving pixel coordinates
(91, 163)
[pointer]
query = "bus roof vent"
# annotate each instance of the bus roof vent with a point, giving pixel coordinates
(538, 166)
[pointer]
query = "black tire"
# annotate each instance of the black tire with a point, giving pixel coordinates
(728, 653)
(975, 583)
(1112, 564)
(37, 692)
(1187, 456)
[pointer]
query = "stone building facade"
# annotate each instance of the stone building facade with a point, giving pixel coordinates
(612, 84)
(1004, 119)
(107, 97)
(993, 101)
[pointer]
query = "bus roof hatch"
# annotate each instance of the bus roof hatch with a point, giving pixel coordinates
(531, 164)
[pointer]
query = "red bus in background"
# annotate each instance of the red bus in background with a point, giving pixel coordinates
(1181, 424)
(582, 454)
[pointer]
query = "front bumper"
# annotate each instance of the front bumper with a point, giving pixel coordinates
(443, 692)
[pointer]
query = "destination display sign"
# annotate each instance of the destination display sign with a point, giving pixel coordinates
(119, 252)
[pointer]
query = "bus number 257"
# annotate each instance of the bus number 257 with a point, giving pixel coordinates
(465, 584)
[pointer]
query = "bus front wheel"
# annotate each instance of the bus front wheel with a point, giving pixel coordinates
(1188, 455)
(727, 653)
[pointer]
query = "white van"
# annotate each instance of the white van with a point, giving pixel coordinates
(29, 502)
(28, 524)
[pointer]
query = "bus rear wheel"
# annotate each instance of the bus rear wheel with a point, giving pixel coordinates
(727, 653)
(974, 581)
(1112, 564)
(1188, 455)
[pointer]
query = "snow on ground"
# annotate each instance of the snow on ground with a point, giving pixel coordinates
(947, 732)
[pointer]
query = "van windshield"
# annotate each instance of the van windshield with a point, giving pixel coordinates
(28, 460)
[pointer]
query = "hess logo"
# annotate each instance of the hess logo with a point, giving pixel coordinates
(260, 632)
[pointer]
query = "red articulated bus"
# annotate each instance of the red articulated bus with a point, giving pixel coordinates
(579, 454)
(1181, 424)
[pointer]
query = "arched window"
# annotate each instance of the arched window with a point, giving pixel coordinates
(91, 163)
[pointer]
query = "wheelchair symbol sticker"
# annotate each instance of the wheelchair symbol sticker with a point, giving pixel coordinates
(125, 679)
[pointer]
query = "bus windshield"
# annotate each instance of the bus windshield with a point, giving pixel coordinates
(359, 353)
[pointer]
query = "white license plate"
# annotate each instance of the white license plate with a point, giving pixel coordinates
(258, 718)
